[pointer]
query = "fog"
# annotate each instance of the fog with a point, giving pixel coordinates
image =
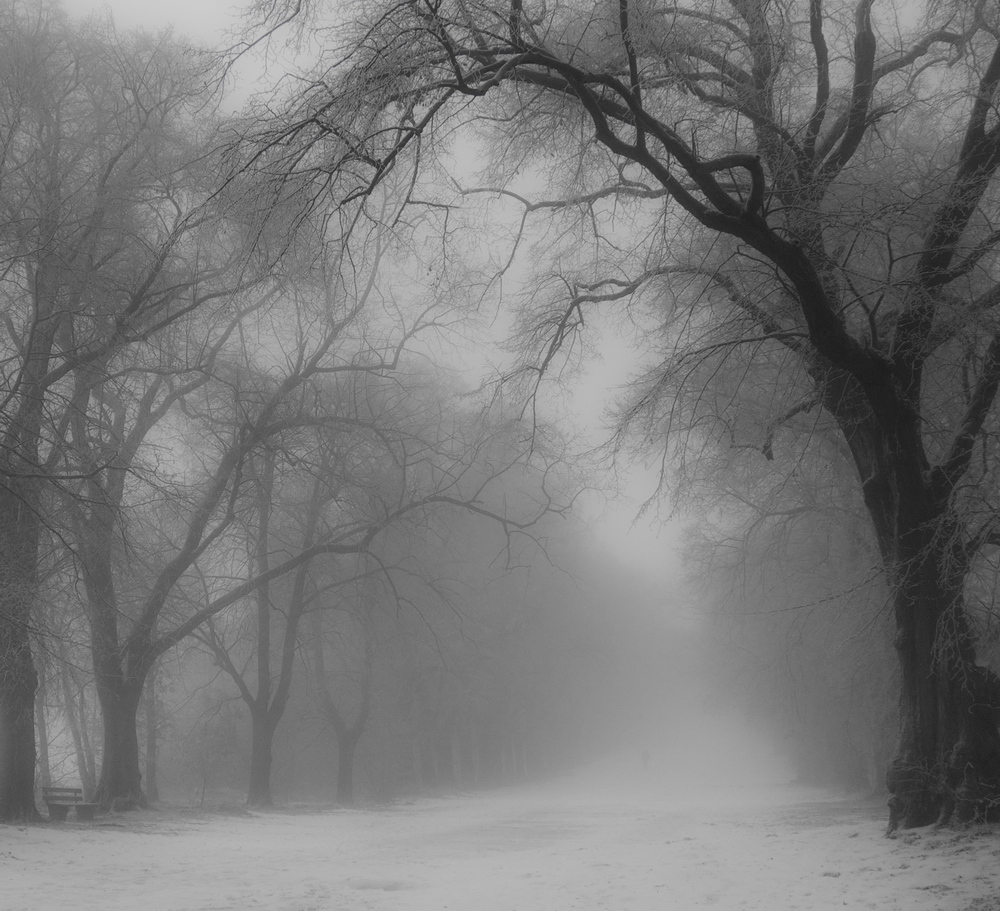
(455, 653)
(375, 543)
(542, 671)
(469, 666)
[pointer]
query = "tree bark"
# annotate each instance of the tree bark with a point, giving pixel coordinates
(149, 707)
(261, 759)
(119, 676)
(86, 757)
(346, 750)
(20, 527)
(17, 732)
(18, 678)
(120, 784)
(948, 755)
(42, 732)
(263, 727)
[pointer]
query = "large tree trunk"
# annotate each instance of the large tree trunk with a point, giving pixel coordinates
(948, 749)
(120, 784)
(118, 672)
(263, 716)
(88, 761)
(347, 747)
(17, 731)
(149, 708)
(20, 529)
(18, 679)
(261, 760)
(948, 755)
(42, 732)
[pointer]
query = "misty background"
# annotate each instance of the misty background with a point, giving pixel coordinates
(635, 620)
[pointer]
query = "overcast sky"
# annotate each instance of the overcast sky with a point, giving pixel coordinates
(205, 20)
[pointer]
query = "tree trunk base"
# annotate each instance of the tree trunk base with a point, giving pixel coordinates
(915, 797)
(963, 792)
(123, 804)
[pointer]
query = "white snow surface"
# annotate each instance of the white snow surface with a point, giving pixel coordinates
(590, 842)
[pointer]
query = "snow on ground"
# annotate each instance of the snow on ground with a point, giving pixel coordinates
(582, 843)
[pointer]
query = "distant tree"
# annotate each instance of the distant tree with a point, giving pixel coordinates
(151, 720)
(354, 657)
(94, 212)
(368, 457)
(241, 405)
(266, 693)
(806, 196)
(796, 603)
(158, 285)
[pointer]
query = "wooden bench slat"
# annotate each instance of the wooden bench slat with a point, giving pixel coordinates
(64, 795)
(59, 801)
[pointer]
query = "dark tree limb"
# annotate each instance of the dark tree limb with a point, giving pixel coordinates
(953, 467)
(821, 53)
(862, 90)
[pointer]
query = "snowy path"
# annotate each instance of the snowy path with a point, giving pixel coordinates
(526, 849)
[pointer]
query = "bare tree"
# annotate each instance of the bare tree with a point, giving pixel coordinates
(355, 660)
(795, 193)
(87, 118)
(371, 457)
(266, 695)
(242, 401)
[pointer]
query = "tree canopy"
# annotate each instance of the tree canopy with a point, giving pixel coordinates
(802, 193)
(165, 333)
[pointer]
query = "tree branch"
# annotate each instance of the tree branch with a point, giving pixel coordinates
(953, 467)
(861, 93)
(822, 56)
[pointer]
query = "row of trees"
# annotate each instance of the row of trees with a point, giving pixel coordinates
(207, 387)
(501, 677)
(793, 202)
(796, 202)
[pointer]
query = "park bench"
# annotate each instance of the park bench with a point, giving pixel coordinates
(59, 800)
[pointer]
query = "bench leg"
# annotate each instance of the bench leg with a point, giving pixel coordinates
(58, 812)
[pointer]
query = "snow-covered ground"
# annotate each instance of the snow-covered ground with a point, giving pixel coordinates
(595, 841)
